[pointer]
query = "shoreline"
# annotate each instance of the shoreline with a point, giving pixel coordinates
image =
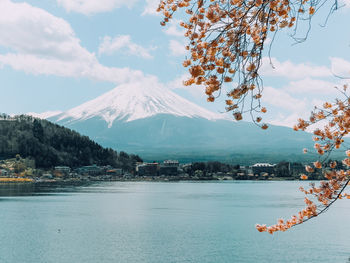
(137, 179)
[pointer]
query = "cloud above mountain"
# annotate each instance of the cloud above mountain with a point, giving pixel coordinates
(88, 7)
(123, 43)
(44, 48)
(275, 68)
(38, 42)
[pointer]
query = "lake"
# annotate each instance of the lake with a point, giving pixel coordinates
(166, 222)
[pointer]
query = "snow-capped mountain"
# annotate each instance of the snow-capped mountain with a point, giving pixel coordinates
(133, 101)
(156, 123)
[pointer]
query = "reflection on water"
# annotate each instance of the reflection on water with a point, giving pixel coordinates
(16, 189)
(33, 189)
(154, 222)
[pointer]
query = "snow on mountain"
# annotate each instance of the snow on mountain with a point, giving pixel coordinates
(44, 115)
(154, 122)
(137, 100)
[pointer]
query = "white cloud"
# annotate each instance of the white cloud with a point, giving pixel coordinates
(115, 75)
(286, 120)
(177, 48)
(268, 40)
(290, 70)
(344, 3)
(88, 7)
(43, 65)
(123, 42)
(69, 68)
(303, 111)
(299, 97)
(340, 67)
(283, 100)
(314, 86)
(196, 91)
(41, 43)
(151, 7)
(173, 29)
(177, 83)
(31, 30)
(290, 108)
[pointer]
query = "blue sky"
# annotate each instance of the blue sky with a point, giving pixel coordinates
(57, 54)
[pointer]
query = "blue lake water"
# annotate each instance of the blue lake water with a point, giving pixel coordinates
(166, 222)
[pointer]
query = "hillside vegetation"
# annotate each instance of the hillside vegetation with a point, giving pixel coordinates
(51, 145)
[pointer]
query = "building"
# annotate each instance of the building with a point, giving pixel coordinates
(147, 169)
(263, 168)
(4, 172)
(90, 170)
(169, 168)
(171, 163)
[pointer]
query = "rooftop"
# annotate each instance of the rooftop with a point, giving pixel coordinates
(263, 165)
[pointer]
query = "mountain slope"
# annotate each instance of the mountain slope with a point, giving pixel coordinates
(133, 101)
(167, 136)
(157, 124)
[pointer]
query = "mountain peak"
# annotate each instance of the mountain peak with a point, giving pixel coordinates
(137, 100)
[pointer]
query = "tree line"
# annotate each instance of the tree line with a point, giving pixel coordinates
(283, 169)
(51, 145)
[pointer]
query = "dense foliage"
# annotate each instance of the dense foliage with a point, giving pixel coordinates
(226, 42)
(51, 145)
(226, 39)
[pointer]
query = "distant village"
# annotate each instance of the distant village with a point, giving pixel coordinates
(23, 170)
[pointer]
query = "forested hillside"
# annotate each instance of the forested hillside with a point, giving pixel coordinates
(51, 145)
